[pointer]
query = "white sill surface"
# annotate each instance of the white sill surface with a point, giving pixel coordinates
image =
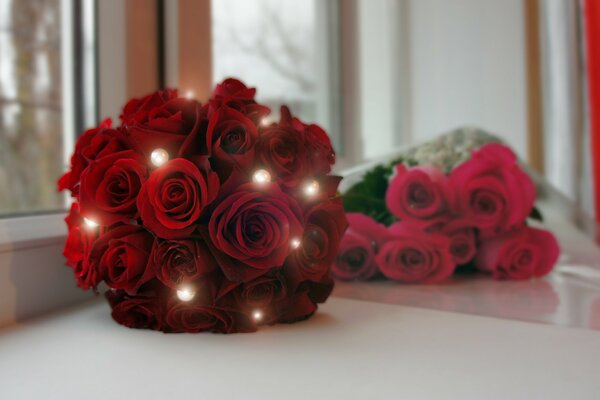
(350, 349)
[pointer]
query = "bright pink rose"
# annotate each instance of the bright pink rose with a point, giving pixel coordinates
(494, 193)
(462, 241)
(412, 255)
(522, 253)
(359, 246)
(419, 194)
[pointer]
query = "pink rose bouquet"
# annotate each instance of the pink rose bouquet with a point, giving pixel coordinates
(420, 222)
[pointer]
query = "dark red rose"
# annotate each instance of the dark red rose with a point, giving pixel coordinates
(199, 317)
(95, 143)
(110, 186)
(230, 139)
(234, 94)
(122, 254)
(319, 148)
(175, 195)
(177, 126)
(138, 110)
(282, 151)
(77, 249)
(252, 229)
(298, 307)
(325, 224)
(136, 312)
(178, 262)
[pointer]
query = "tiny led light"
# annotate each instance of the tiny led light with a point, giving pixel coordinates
(295, 243)
(266, 121)
(189, 94)
(257, 315)
(311, 189)
(159, 157)
(185, 294)
(90, 223)
(261, 176)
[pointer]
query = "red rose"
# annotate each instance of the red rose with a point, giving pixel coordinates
(234, 94)
(177, 126)
(319, 149)
(420, 194)
(230, 140)
(357, 250)
(181, 261)
(282, 151)
(252, 229)
(325, 224)
(462, 241)
(138, 110)
(412, 255)
(122, 254)
(110, 186)
(493, 191)
(77, 250)
(522, 253)
(298, 307)
(136, 312)
(198, 317)
(95, 143)
(175, 195)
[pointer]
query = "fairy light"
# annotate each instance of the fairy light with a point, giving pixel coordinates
(185, 294)
(266, 121)
(311, 189)
(90, 223)
(295, 243)
(257, 315)
(159, 157)
(261, 176)
(189, 94)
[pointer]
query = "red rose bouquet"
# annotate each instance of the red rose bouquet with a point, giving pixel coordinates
(429, 214)
(204, 217)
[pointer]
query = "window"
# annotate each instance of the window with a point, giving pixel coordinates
(286, 49)
(40, 40)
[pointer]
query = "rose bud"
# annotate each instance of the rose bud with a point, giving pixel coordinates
(77, 250)
(493, 191)
(136, 312)
(412, 255)
(360, 244)
(178, 262)
(252, 229)
(110, 186)
(420, 194)
(123, 253)
(175, 195)
(522, 253)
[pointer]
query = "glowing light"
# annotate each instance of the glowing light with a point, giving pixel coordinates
(159, 157)
(261, 176)
(189, 94)
(90, 223)
(266, 121)
(257, 315)
(311, 189)
(295, 243)
(185, 294)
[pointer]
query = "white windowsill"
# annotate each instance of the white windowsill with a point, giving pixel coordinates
(34, 231)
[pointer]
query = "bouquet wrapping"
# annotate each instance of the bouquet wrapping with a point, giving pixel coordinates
(204, 217)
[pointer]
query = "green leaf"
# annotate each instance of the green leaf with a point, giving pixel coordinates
(536, 215)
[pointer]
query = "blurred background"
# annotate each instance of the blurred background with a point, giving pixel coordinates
(376, 74)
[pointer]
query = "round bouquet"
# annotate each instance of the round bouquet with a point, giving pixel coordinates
(204, 217)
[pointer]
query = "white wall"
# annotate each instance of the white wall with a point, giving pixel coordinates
(467, 67)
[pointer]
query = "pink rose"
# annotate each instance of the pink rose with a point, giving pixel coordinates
(360, 244)
(420, 194)
(522, 253)
(462, 241)
(412, 255)
(493, 191)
